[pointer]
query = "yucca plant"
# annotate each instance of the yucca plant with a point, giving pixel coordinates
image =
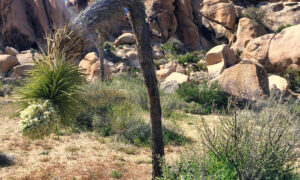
(50, 96)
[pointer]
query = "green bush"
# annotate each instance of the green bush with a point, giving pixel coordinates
(116, 108)
(208, 98)
(245, 145)
(57, 82)
(189, 58)
(257, 145)
(255, 14)
(169, 48)
(282, 27)
(170, 103)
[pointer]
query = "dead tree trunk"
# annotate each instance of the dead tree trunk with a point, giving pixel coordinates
(102, 10)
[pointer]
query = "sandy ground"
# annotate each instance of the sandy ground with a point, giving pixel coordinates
(74, 156)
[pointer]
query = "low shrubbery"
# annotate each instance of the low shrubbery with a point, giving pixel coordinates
(203, 99)
(255, 14)
(189, 58)
(117, 107)
(282, 27)
(248, 144)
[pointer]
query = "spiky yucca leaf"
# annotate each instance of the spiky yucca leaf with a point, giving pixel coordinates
(57, 81)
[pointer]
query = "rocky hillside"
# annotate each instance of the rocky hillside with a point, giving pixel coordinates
(245, 41)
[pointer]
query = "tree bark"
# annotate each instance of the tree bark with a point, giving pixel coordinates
(141, 29)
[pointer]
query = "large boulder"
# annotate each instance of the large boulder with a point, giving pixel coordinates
(220, 11)
(187, 29)
(11, 51)
(161, 18)
(247, 29)
(21, 70)
(247, 79)
(126, 38)
(281, 13)
(25, 22)
(25, 58)
(91, 67)
(218, 59)
(284, 50)
(277, 82)
(7, 62)
(180, 78)
(169, 86)
(258, 49)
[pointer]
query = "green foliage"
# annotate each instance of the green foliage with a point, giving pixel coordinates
(169, 48)
(194, 166)
(58, 82)
(254, 145)
(245, 145)
(293, 78)
(116, 174)
(205, 98)
(202, 66)
(189, 58)
(108, 46)
(116, 108)
(282, 27)
(255, 14)
(170, 103)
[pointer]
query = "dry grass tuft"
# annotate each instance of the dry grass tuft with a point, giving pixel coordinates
(67, 43)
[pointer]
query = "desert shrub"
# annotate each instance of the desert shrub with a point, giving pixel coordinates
(189, 58)
(208, 98)
(258, 145)
(255, 14)
(196, 166)
(245, 145)
(282, 27)
(6, 89)
(202, 66)
(56, 82)
(169, 48)
(116, 108)
(293, 78)
(170, 103)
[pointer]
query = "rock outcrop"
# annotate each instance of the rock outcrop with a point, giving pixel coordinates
(277, 82)
(7, 62)
(284, 50)
(218, 59)
(219, 11)
(91, 67)
(161, 18)
(246, 79)
(281, 13)
(187, 29)
(276, 52)
(247, 29)
(126, 38)
(25, 22)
